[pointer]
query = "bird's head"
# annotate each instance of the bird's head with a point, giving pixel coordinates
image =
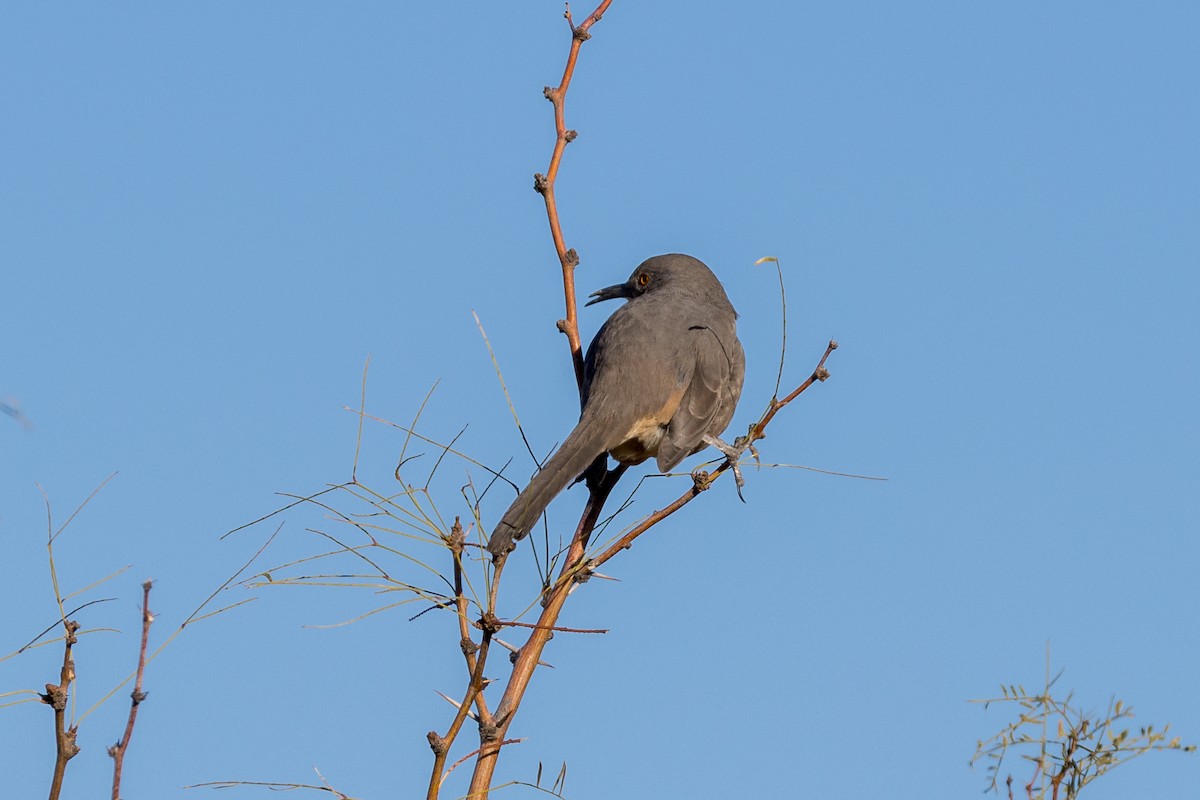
(656, 273)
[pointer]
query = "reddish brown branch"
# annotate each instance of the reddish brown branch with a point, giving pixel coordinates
(493, 727)
(649, 522)
(703, 480)
(773, 408)
(527, 658)
(56, 697)
(544, 184)
(118, 750)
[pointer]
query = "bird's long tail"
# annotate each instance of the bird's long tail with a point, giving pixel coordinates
(577, 452)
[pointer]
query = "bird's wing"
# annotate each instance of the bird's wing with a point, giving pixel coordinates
(707, 404)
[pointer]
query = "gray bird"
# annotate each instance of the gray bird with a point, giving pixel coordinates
(660, 379)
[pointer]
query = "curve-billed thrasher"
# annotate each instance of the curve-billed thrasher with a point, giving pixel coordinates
(660, 379)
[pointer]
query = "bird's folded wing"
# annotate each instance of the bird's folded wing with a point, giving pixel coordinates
(703, 402)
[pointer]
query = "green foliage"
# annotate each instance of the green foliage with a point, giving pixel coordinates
(1067, 746)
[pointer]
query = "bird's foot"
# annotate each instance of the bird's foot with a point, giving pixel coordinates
(733, 453)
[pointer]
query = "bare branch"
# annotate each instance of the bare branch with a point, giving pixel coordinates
(118, 750)
(544, 184)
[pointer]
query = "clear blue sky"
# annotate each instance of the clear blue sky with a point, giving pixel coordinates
(211, 214)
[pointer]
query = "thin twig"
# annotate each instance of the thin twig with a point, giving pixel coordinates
(456, 764)
(775, 406)
(277, 787)
(362, 408)
(194, 617)
(512, 409)
(33, 642)
(407, 430)
(783, 306)
(78, 508)
(559, 628)
(299, 501)
(704, 480)
(118, 750)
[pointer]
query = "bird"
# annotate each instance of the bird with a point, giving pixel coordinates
(661, 380)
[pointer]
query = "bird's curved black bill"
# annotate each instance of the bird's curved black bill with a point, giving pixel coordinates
(609, 293)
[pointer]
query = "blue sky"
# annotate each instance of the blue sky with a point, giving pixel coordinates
(212, 214)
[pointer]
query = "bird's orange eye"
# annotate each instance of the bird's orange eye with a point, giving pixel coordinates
(643, 279)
